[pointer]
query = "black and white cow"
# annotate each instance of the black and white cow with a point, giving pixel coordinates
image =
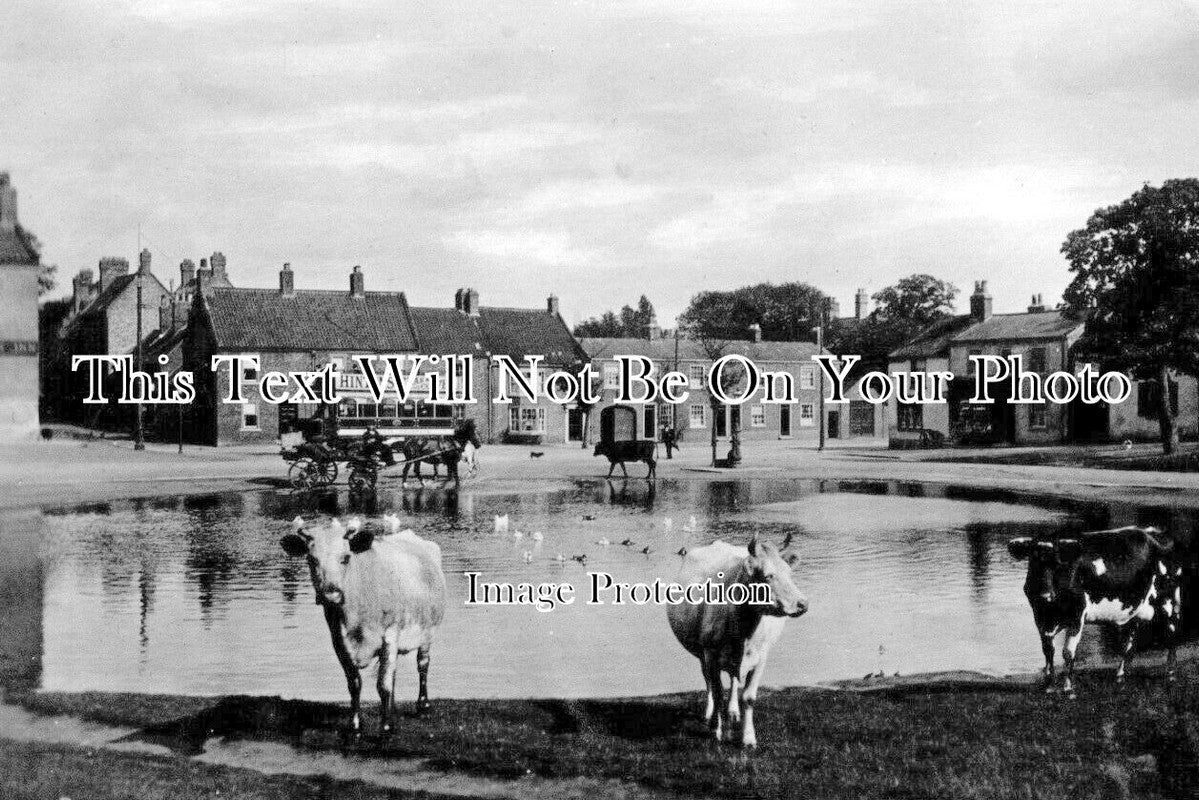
(1124, 577)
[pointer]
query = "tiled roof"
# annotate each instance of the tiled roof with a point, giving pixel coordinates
(1035, 325)
(933, 341)
(445, 331)
(663, 350)
(518, 332)
(17, 247)
(263, 319)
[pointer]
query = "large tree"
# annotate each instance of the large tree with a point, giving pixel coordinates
(1136, 281)
(784, 311)
(630, 322)
(900, 312)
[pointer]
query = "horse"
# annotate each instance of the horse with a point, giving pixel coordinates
(442, 450)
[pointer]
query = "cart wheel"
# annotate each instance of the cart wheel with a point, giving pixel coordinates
(297, 473)
(323, 473)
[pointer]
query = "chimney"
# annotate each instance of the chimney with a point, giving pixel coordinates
(287, 281)
(82, 289)
(217, 262)
(470, 303)
(980, 302)
(458, 299)
(551, 304)
(834, 308)
(187, 272)
(357, 283)
(166, 313)
(143, 262)
(8, 204)
(755, 333)
(1037, 305)
(861, 304)
(111, 269)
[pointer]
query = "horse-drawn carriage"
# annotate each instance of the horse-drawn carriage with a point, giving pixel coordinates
(314, 456)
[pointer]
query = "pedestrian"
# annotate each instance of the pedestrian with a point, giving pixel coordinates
(669, 439)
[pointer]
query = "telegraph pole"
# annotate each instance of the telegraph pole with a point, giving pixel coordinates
(139, 433)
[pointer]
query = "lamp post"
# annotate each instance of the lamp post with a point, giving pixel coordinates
(139, 433)
(820, 387)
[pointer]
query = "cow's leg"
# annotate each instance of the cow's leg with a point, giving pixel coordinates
(1128, 639)
(387, 681)
(353, 676)
(622, 469)
(1047, 650)
(422, 672)
(653, 468)
(710, 703)
(715, 690)
(611, 466)
(749, 695)
(1173, 623)
(1073, 637)
(733, 707)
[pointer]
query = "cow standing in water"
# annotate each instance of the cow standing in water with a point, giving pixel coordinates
(383, 596)
(1125, 577)
(734, 640)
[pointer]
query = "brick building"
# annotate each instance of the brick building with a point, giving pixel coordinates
(19, 267)
(1046, 339)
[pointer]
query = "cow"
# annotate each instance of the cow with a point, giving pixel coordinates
(382, 595)
(735, 639)
(1124, 577)
(620, 452)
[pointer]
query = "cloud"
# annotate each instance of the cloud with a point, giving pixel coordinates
(518, 248)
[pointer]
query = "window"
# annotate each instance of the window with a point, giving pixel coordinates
(696, 373)
(1035, 362)
(1149, 396)
(1036, 416)
(611, 376)
(757, 417)
(807, 378)
(249, 416)
(248, 373)
(861, 418)
(910, 417)
(526, 420)
(649, 427)
(698, 416)
(807, 415)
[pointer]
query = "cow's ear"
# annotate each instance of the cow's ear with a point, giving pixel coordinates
(1068, 550)
(790, 557)
(753, 546)
(294, 544)
(1020, 548)
(360, 540)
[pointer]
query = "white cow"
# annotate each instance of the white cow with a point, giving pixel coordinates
(383, 596)
(735, 639)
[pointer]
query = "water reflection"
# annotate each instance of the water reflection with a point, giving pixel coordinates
(194, 595)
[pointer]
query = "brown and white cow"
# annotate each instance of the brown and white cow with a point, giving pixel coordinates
(383, 596)
(1125, 577)
(735, 640)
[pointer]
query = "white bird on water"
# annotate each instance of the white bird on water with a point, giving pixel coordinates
(528, 557)
(537, 537)
(603, 542)
(501, 524)
(517, 535)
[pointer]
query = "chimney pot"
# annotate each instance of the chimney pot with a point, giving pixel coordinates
(287, 281)
(470, 303)
(143, 262)
(8, 204)
(357, 282)
(861, 304)
(980, 302)
(458, 295)
(551, 304)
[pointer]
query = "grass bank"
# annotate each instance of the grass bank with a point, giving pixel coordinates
(1005, 741)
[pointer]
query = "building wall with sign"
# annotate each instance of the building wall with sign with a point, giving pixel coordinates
(18, 349)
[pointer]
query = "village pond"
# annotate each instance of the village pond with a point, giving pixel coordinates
(194, 595)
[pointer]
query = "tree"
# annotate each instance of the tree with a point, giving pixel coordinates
(45, 278)
(901, 312)
(783, 311)
(630, 323)
(1136, 282)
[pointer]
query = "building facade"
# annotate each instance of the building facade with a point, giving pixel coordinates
(19, 268)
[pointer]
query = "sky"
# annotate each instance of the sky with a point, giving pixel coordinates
(594, 150)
